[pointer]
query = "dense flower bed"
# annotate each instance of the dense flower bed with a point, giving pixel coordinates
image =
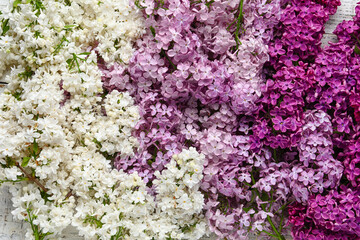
(175, 119)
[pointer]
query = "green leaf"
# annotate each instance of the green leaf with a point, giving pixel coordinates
(16, 3)
(97, 143)
(92, 220)
(69, 26)
(45, 196)
(9, 162)
(137, 4)
(35, 148)
(357, 50)
(152, 29)
(5, 26)
(208, 4)
(37, 34)
(25, 161)
(28, 73)
(17, 95)
(85, 53)
(116, 43)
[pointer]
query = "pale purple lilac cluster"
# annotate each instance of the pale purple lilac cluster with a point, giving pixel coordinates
(248, 84)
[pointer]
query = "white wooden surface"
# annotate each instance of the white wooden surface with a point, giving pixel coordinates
(10, 229)
(345, 12)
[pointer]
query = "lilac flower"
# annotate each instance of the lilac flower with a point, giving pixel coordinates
(196, 87)
(277, 49)
(279, 124)
(289, 59)
(307, 177)
(342, 125)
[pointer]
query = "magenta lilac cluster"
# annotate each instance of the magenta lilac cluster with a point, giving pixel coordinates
(276, 115)
(334, 214)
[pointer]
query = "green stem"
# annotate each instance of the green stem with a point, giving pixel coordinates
(230, 25)
(33, 227)
(270, 234)
(284, 206)
(252, 178)
(279, 236)
(272, 199)
(247, 184)
(263, 206)
(77, 64)
(281, 221)
(169, 60)
(238, 24)
(274, 155)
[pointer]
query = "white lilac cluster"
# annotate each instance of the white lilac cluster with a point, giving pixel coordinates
(108, 204)
(59, 130)
(59, 153)
(178, 195)
(121, 205)
(37, 32)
